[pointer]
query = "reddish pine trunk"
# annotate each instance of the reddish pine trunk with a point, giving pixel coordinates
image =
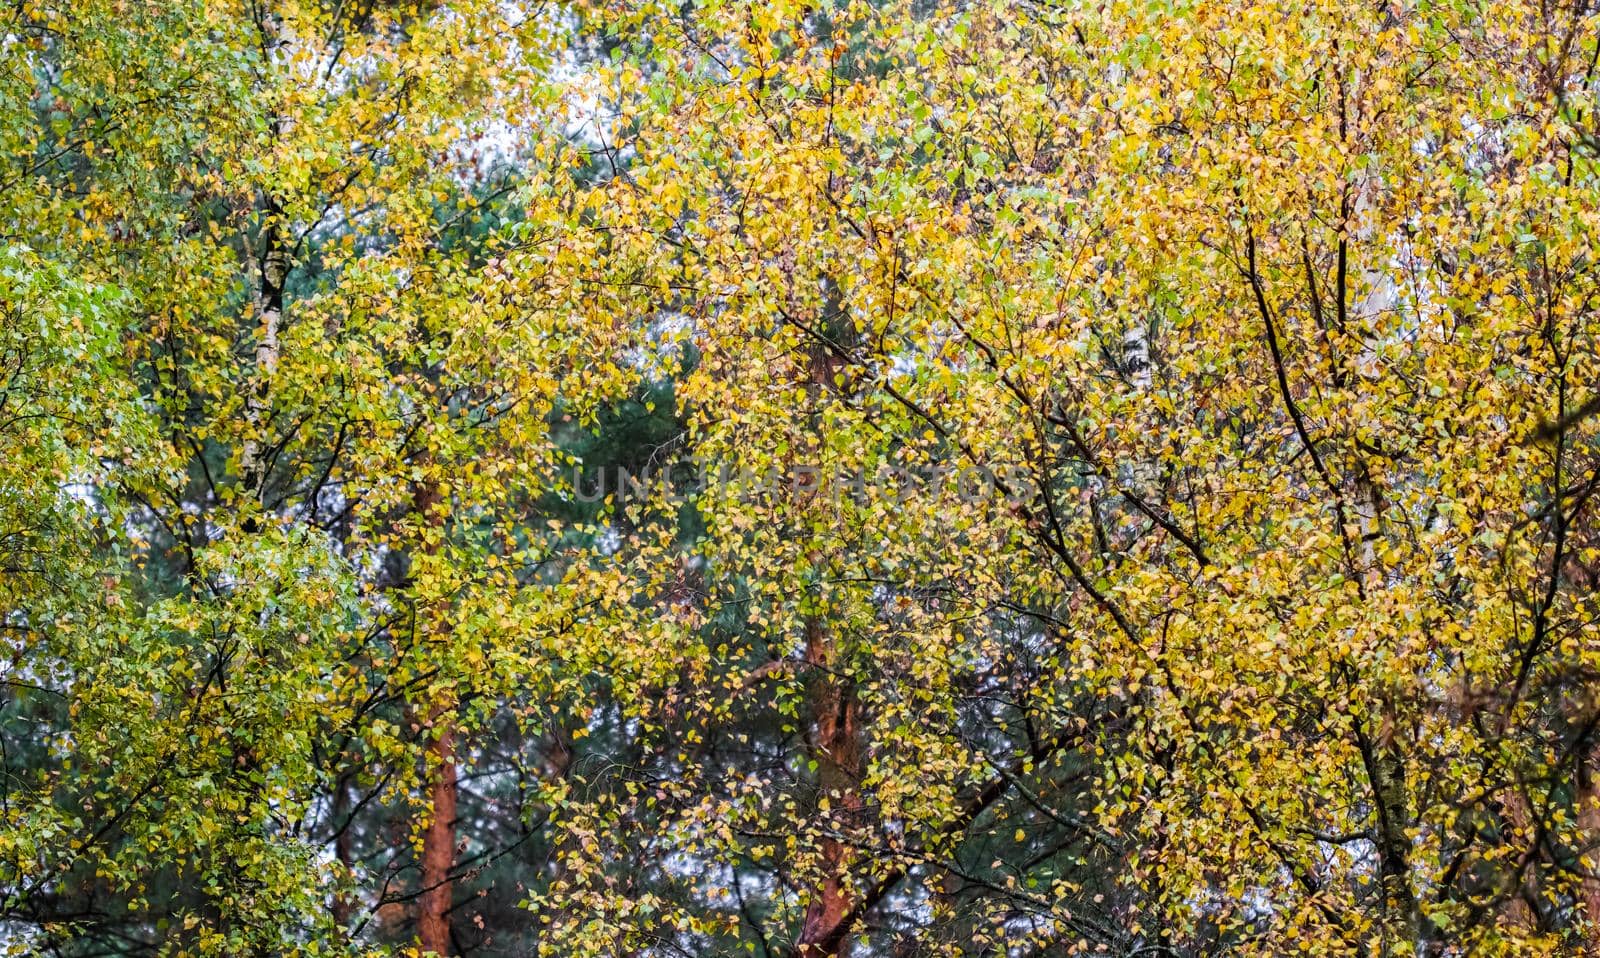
(1589, 835)
(836, 748)
(343, 907)
(1515, 912)
(439, 842)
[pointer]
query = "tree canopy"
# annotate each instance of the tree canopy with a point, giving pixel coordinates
(809, 479)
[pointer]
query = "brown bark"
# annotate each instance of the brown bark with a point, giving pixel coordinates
(834, 740)
(1515, 911)
(343, 906)
(1589, 832)
(836, 748)
(439, 841)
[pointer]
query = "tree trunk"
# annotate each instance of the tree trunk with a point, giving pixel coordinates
(273, 273)
(343, 906)
(439, 841)
(835, 747)
(1518, 818)
(1589, 836)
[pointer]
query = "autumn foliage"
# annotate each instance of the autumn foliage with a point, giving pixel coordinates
(853, 478)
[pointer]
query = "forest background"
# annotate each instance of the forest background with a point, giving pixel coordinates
(1261, 335)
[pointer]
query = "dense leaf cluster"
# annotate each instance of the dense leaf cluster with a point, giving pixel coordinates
(864, 478)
